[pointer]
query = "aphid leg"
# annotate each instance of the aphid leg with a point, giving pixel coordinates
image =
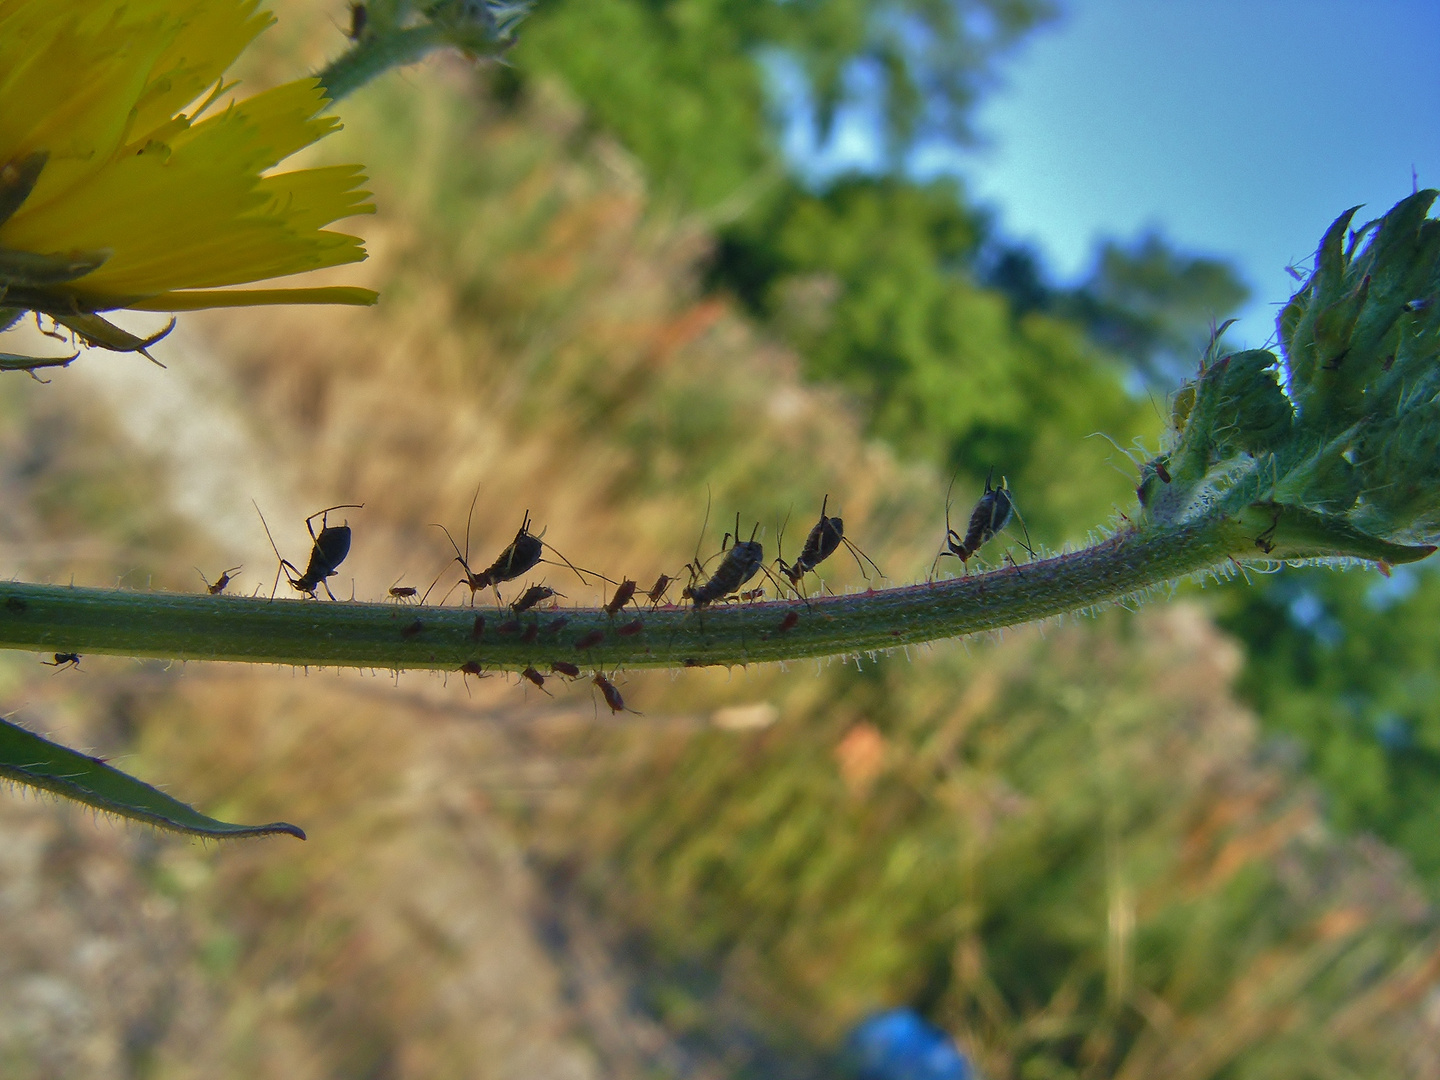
(1023, 528)
(284, 562)
(954, 542)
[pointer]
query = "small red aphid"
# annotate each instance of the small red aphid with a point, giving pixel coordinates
(788, 622)
(753, 594)
(590, 640)
(623, 592)
(564, 667)
(658, 590)
(226, 576)
(612, 696)
(630, 629)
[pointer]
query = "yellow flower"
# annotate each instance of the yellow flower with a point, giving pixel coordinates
(113, 196)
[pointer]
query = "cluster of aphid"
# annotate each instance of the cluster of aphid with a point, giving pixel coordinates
(740, 562)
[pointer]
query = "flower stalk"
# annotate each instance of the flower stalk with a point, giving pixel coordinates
(306, 633)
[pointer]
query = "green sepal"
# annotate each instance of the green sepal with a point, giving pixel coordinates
(26, 269)
(97, 331)
(27, 758)
(1292, 532)
(1253, 413)
(20, 362)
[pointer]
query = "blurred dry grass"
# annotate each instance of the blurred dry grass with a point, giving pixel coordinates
(1070, 849)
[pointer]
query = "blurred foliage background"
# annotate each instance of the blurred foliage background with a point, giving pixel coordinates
(1199, 841)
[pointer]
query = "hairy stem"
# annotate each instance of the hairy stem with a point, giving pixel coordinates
(376, 54)
(312, 633)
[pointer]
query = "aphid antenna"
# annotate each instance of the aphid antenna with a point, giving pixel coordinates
(321, 514)
(461, 559)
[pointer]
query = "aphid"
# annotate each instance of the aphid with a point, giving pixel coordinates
(590, 640)
(414, 628)
(612, 696)
(788, 622)
(564, 667)
(630, 629)
(510, 627)
(533, 596)
(331, 545)
(753, 594)
(554, 626)
(827, 534)
(403, 592)
(522, 554)
(63, 660)
(623, 592)
(991, 514)
(359, 16)
(535, 677)
(471, 667)
(658, 590)
(531, 633)
(478, 630)
(224, 579)
(737, 566)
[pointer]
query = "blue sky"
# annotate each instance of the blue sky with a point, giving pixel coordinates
(1239, 129)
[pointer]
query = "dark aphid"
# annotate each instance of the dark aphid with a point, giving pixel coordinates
(827, 535)
(789, 622)
(63, 660)
(535, 677)
(658, 590)
(737, 566)
(471, 667)
(590, 640)
(523, 553)
(478, 630)
(564, 667)
(623, 592)
(359, 16)
(223, 580)
(630, 629)
(554, 626)
(533, 596)
(414, 628)
(991, 514)
(531, 633)
(612, 696)
(331, 545)
(512, 626)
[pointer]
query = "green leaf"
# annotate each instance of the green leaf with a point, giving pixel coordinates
(26, 758)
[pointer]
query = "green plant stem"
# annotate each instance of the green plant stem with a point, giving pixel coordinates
(308, 633)
(378, 53)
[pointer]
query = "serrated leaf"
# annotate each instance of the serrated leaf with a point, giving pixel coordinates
(27, 758)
